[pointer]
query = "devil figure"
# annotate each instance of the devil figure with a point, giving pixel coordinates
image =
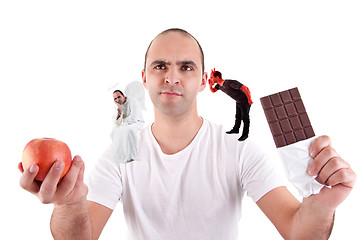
(241, 94)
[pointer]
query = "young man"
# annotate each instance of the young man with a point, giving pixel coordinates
(128, 110)
(119, 100)
(188, 185)
(128, 121)
(241, 94)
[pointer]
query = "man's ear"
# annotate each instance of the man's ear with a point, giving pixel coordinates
(203, 82)
(143, 76)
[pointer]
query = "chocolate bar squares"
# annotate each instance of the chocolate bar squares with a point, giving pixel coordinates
(287, 118)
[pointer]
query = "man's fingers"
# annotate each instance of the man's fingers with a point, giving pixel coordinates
(69, 190)
(321, 151)
(82, 171)
(49, 185)
(318, 144)
(325, 155)
(328, 166)
(344, 176)
(67, 184)
(27, 180)
(20, 167)
(329, 174)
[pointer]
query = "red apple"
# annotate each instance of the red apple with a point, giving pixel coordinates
(44, 152)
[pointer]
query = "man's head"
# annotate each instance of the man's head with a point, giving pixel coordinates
(215, 77)
(216, 74)
(183, 32)
(119, 97)
(173, 72)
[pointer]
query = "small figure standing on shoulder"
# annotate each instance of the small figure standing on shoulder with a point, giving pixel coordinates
(241, 94)
(128, 121)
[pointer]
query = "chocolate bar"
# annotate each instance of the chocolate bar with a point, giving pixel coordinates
(287, 118)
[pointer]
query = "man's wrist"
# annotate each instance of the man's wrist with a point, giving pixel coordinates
(316, 205)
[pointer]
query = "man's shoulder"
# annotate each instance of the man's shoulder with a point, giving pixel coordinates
(144, 131)
(232, 81)
(218, 133)
(211, 124)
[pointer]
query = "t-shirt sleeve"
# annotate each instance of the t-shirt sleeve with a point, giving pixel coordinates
(258, 173)
(105, 181)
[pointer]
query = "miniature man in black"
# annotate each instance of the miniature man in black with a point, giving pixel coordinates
(241, 94)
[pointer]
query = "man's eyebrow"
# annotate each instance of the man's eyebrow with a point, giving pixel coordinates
(187, 62)
(159, 62)
(163, 62)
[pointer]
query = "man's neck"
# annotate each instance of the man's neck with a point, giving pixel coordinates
(220, 81)
(173, 134)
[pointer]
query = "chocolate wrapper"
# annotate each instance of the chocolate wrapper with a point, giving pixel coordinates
(295, 158)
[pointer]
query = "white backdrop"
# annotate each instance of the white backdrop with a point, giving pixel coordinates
(58, 60)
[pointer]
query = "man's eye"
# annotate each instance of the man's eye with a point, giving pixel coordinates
(160, 67)
(186, 68)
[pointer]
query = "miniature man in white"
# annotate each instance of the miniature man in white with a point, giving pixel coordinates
(128, 121)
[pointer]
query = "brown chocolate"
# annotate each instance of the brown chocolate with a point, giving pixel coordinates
(287, 118)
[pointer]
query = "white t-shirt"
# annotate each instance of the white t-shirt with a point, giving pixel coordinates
(193, 194)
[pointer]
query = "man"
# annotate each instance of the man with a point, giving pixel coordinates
(188, 186)
(119, 99)
(128, 110)
(128, 121)
(241, 94)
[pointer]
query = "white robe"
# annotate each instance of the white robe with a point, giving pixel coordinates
(124, 133)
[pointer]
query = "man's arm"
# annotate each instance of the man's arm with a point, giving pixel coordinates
(87, 223)
(314, 217)
(119, 111)
(71, 221)
(295, 220)
(99, 215)
(72, 217)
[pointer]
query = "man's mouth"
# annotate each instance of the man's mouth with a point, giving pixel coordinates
(170, 93)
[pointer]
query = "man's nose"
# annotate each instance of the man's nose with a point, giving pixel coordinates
(172, 77)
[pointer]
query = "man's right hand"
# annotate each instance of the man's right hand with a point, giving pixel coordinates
(119, 110)
(212, 89)
(71, 189)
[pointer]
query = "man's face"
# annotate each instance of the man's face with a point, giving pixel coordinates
(118, 98)
(173, 74)
(213, 80)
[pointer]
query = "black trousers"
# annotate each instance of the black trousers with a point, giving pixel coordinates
(242, 114)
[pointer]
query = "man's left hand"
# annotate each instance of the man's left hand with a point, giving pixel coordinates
(331, 170)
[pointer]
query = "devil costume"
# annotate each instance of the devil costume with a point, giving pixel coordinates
(241, 94)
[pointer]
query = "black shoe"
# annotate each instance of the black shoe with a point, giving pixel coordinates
(232, 131)
(243, 137)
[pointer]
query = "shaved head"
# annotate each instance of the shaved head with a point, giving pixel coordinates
(182, 32)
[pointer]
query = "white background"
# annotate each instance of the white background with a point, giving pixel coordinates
(58, 60)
